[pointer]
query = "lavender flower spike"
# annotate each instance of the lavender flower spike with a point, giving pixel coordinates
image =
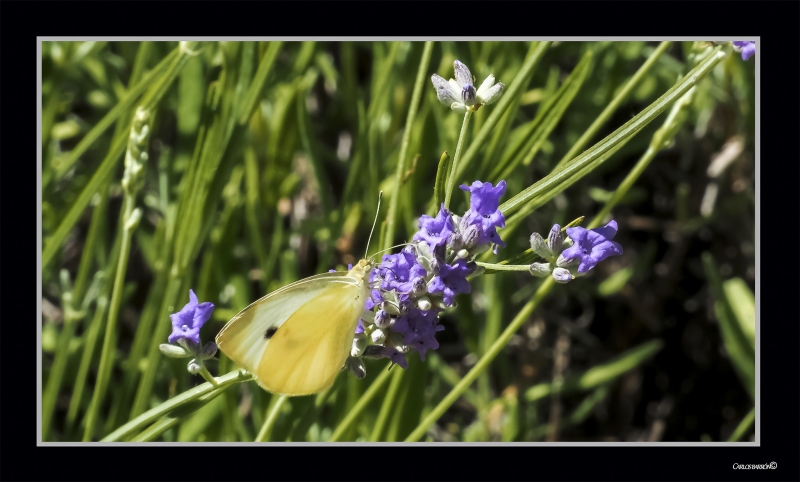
(746, 47)
(186, 323)
(591, 247)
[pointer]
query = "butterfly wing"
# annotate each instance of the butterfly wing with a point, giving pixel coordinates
(296, 339)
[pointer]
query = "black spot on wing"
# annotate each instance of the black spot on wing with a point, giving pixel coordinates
(270, 332)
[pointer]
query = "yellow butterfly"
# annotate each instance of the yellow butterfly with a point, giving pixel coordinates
(295, 340)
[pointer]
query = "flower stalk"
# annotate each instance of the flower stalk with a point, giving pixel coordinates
(132, 182)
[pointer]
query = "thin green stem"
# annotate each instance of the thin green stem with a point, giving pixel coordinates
(359, 407)
(125, 431)
(505, 267)
(614, 104)
(402, 161)
(451, 179)
(109, 341)
(484, 362)
(386, 407)
(535, 54)
(272, 417)
(207, 376)
(744, 426)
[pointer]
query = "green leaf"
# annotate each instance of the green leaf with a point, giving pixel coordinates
(539, 129)
(737, 325)
(598, 375)
(560, 179)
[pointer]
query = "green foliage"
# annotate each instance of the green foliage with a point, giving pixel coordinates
(264, 165)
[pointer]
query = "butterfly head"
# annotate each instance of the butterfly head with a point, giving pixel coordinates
(362, 269)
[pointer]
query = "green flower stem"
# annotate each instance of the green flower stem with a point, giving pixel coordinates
(451, 179)
(132, 182)
(75, 311)
(744, 426)
(272, 416)
(125, 431)
(165, 423)
(386, 407)
(484, 362)
(402, 160)
(109, 342)
(93, 333)
(207, 376)
(535, 54)
(360, 405)
(505, 267)
(614, 104)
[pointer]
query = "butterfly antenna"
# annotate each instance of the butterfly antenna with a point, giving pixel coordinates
(388, 249)
(380, 195)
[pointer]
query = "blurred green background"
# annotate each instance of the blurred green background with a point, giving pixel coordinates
(264, 164)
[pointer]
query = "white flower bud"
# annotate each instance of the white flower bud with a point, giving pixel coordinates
(359, 344)
(424, 303)
(541, 269)
(562, 275)
(195, 366)
(378, 336)
(540, 247)
(173, 351)
(356, 366)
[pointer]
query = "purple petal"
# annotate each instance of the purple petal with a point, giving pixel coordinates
(608, 231)
(202, 313)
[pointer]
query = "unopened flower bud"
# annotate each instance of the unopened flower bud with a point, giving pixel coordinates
(555, 240)
(208, 351)
(418, 286)
(541, 269)
(378, 336)
(359, 344)
(463, 254)
(562, 275)
(382, 319)
(540, 247)
(471, 235)
(390, 308)
(195, 366)
(356, 366)
(173, 351)
(424, 303)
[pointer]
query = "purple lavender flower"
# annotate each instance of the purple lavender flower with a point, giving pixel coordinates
(435, 231)
(591, 247)
(186, 323)
(419, 329)
(452, 279)
(396, 357)
(483, 214)
(746, 47)
(411, 288)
